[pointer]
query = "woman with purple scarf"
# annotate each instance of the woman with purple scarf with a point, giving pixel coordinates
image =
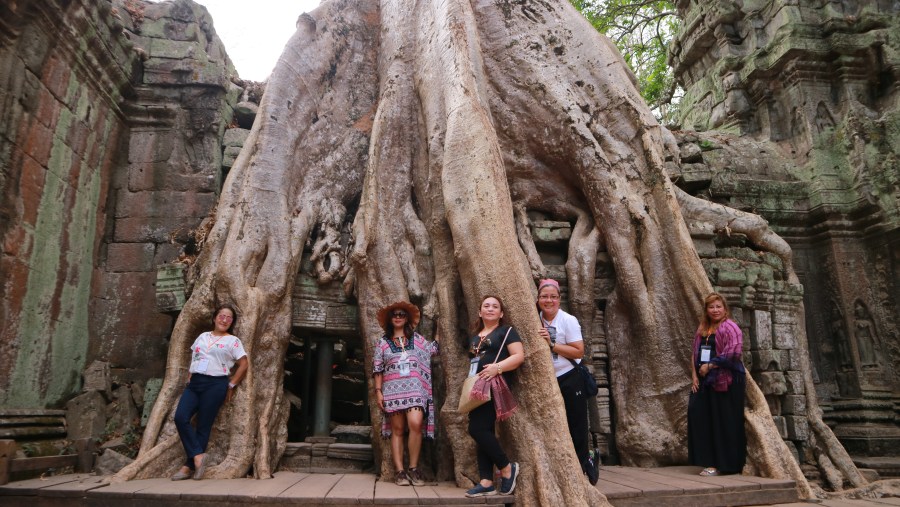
(496, 350)
(716, 439)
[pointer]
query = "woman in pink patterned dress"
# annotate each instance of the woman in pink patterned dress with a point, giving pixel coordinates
(402, 373)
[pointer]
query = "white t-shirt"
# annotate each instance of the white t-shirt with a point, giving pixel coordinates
(215, 355)
(568, 330)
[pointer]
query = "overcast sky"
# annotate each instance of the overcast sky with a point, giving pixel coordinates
(255, 31)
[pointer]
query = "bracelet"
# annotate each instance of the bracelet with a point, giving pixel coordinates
(231, 386)
(499, 369)
(552, 346)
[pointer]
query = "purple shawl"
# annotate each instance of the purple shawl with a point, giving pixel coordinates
(729, 356)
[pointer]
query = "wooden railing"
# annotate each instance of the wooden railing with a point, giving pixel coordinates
(82, 460)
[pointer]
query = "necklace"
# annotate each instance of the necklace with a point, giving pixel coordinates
(482, 338)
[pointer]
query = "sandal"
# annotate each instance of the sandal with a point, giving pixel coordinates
(709, 472)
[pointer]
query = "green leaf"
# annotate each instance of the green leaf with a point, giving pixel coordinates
(642, 31)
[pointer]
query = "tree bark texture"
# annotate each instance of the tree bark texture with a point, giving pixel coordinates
(434, 126)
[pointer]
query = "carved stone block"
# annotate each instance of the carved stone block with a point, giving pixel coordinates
(111, 462)
(97, 377)
(772, 383)
(795, 382)
(781, 425)
(170, 287)
(793, 404)
(767, 360)
(151, 391)
(551, 232)
(785, 336)
(86, 416)
(797, 427)
(761, 335)
(235, 137)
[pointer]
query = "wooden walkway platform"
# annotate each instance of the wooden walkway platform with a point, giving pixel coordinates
(669, 487)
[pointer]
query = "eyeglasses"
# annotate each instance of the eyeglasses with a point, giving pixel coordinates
(225, 317)
(549, 298)
(399, 315)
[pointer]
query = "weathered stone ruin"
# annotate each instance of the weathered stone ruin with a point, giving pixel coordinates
(797, 111)
(119, 121)
(113, 119)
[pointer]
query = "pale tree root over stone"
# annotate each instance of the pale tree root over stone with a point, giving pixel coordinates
(481, 110)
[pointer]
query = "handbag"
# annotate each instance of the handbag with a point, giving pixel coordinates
(467, 402)
(590, 383)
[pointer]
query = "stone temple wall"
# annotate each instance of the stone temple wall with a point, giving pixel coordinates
(64, 71)
(798, 108)
(112, 115)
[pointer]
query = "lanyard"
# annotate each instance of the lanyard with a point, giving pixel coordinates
(209, 346)
(403, 343)
(545, 321)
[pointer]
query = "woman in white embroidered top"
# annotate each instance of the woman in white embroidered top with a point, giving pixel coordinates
(213, 354)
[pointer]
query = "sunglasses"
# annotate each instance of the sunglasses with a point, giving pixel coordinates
(399, 315)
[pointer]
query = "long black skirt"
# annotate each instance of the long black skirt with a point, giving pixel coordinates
(716, 435)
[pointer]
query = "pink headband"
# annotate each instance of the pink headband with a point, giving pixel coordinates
(548, 282)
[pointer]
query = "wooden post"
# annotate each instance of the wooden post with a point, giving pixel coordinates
(7, 453)
(84, 448)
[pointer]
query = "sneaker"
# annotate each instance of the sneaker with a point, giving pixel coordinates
(593, 467)
(480, 490)
(402, 479)
(415, 477)
(507, 486)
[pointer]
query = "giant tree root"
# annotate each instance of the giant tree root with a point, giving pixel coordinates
(445, 120)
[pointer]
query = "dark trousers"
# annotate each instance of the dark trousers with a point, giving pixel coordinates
(203, 396)
(716, 435)
(488, 450)
(574, 395)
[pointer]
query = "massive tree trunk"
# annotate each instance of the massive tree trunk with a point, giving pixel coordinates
(447, 121)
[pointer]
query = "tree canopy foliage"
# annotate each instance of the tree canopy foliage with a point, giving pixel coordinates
(641, 29)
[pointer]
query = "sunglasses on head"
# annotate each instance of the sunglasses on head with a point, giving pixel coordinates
(399, 315)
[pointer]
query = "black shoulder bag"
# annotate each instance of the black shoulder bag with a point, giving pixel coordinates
(590, 384)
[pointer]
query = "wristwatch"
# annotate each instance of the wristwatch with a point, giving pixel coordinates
(231, 386)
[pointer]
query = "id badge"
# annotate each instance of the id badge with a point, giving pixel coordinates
(404, 367)
(202, 365)
(473, 367)
(705, 352)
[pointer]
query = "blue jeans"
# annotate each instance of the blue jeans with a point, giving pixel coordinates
(204, 395)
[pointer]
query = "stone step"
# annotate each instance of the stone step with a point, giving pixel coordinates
(331, 457)
(30, 424)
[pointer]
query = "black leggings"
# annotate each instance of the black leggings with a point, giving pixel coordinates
(574, 395)
(488, 450)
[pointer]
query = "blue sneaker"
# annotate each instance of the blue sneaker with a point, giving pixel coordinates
(508, 485)
(480, 490)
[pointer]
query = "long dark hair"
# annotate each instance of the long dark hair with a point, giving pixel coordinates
(478, 325)
(234, 316)
(389, 326)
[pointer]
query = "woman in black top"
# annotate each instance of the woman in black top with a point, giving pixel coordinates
(489, 361)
